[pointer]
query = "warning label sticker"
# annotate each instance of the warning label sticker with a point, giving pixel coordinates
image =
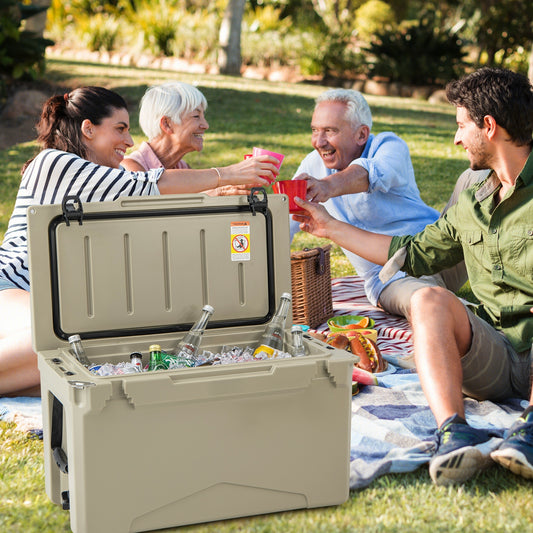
(240, 241)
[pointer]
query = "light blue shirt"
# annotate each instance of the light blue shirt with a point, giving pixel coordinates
(391, 206)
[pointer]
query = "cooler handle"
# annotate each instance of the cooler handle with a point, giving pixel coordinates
(56, 436)
(275, 378)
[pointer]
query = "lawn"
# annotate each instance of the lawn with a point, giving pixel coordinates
(243, 114)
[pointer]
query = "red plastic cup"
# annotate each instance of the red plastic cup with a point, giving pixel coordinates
(261, 151)
(291, 188)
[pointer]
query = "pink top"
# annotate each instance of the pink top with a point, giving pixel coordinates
(147, 158)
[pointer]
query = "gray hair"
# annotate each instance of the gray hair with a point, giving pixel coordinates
(172, 99)
(357, 112)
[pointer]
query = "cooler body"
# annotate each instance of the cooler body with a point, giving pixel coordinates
(152, 450)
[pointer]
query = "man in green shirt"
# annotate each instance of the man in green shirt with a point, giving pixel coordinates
(483, 351)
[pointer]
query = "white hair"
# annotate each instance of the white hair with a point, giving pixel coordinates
(357, 109)
(172, 99)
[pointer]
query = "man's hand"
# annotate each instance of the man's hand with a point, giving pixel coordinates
(316, 218)
(317, 190)
(373, 247)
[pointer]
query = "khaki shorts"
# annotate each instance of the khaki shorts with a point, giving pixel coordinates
(395, 298)
(492, 369)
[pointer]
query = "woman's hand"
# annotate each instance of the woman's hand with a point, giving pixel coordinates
(254, 171)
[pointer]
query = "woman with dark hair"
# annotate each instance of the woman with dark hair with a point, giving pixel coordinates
(84, 136)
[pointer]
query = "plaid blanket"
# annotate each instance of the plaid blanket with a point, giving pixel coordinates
(392, 425)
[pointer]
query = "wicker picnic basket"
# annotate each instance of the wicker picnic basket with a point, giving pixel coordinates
(311, 286)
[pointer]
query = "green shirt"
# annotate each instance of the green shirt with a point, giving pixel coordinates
(497, 246)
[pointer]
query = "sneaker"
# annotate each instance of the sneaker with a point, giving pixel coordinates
(462, 451)
(516, 451)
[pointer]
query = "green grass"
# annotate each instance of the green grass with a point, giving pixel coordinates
(244, 113)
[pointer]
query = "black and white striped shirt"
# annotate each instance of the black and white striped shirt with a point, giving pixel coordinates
(51, 176)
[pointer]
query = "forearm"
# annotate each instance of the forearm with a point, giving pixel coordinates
(188, 181)
(353, 179)
(373, 247)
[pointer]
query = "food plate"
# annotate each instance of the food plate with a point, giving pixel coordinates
(343, 322)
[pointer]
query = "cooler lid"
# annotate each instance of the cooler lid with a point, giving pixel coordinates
(144, 265)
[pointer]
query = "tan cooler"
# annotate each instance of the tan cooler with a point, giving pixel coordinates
(152, 450)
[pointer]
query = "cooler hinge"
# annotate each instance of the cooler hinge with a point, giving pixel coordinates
(255, 202)
(72, 209)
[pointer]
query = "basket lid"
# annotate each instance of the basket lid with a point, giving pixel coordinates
(143, 265)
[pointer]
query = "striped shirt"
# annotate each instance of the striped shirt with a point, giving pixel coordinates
(51, 176)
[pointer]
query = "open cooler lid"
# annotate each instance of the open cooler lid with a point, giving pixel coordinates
(143, 265)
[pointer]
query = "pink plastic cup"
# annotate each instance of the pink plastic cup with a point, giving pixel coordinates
(262, 151)
(291, 188)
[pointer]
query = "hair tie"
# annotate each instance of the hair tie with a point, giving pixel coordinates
(65, 96)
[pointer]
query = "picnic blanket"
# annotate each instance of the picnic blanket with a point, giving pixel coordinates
(392, 426)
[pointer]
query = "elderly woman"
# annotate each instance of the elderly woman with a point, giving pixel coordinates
(172, 116)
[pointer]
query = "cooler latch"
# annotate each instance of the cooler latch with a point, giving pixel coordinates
(72, 209)
(256, 202)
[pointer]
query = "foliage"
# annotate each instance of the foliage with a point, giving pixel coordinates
(421, 54)
(501, 26)
(372, 17)
(197, 35)
(21, 52)
(337, 15)
(498, 28)
(100, 31)
(157, 22)
(339, 58)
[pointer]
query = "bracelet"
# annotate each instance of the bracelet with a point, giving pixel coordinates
(218, 174)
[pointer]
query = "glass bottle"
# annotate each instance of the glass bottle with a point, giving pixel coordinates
(136, 360)
(188, 346)
(79, 352)
(156, 358)
(272, 338)
(298, 348)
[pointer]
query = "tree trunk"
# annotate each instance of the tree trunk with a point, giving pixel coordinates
(229, 39)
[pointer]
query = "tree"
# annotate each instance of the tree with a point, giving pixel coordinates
(229, 54)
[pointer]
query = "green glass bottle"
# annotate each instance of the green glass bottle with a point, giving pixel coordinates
(156, 358)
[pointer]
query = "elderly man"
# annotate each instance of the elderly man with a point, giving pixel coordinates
(484, 351)
(368, 181)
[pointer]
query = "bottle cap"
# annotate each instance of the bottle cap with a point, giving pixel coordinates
(296, 327)
(74, 338)
(154, 348)
(137, 354)
(208, 308)
(287, 295)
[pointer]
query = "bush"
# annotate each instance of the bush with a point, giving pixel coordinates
(21, 52)
(372, 17)
(99, 32)
(422, 54)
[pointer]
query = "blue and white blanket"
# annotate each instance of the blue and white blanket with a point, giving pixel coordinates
(392, 425)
